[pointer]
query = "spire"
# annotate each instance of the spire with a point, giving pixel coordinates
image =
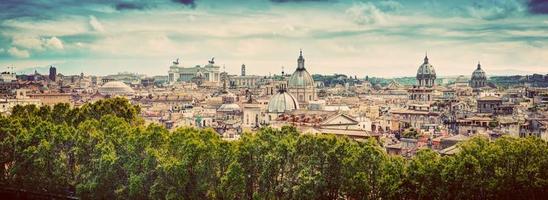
(479, 65)
(426, 57)
(300, 61)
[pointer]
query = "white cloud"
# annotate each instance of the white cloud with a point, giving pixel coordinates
(365, 13)
(389, 5)
(15, 52)
(54, 43)
(37, 44)
(95, 24)
(493, 10)
(27, 42)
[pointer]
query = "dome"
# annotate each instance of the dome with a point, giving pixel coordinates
(282, 102)
(116, 88)
(230, 107)
(479, 74)
(300, 78)
(461, 79)
(426, 70)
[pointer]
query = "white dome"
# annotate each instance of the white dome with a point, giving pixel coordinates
(116, 88)
(230, 107)
(300, 78)
(282, 102)
(461, 79)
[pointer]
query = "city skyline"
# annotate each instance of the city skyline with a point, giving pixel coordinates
(348, 37)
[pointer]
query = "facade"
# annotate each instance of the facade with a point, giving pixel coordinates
(488, 104)
(51, 99)
(248, 81)
(209, 73)
(21, 98)
(301, 84)
(251, 116)
(7, 77)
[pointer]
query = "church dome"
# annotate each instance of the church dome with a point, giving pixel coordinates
(300, 78)
(461, 79)
(282, 102)
(479, 74)
(426, 70)
(116, 88)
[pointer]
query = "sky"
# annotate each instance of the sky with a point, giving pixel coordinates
(387, 38)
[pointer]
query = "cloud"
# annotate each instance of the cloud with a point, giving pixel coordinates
(365, 13)
(27, 42)
(538, 6)
(189, 3)
(95, 24)
(130, 6)
(494, 10)
(37, 44)
(53, 43)
(15, 52)
(389, 6)
(287, 1)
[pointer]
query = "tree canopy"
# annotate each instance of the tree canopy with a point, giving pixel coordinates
(103, 150)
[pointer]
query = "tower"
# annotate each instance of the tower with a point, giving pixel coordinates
(300, 61)
(243, 69)
(52, 73)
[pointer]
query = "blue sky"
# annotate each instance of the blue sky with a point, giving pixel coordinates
(354, 37)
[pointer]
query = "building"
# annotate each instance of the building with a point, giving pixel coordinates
(51, 99)
(488, 104)
(116, 88)
(426, 75)
(478, 79)
(426, 78)
(244, 81)
(7, 77)
(209, 73)
(52, 73)
(21, 98)
(280, 103)
(301, 84)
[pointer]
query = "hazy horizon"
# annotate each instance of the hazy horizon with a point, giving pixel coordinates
(380, 38)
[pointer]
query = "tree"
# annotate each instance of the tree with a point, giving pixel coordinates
(103, 150)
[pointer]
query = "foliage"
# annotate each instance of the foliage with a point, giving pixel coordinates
(410, 133)
(104, 151)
